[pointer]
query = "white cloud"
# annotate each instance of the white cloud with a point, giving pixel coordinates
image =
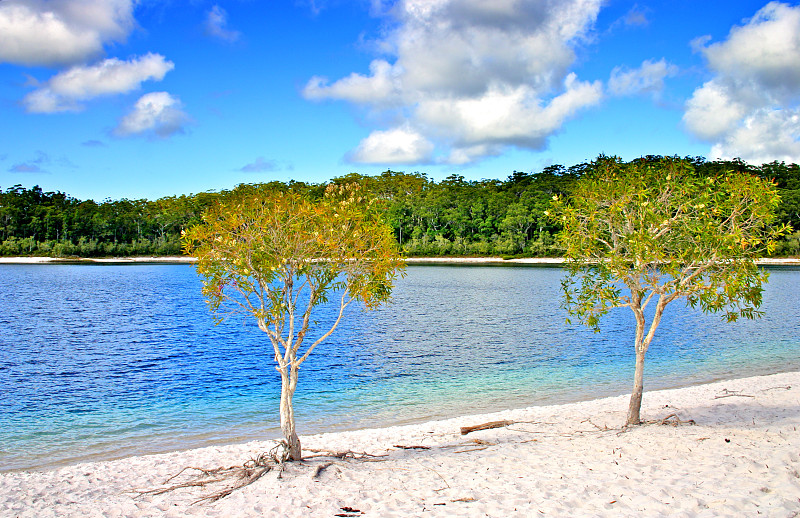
(261, 165)
(471, 77)
(712, 111)
(507, 115)
(763, 136)
(58, 32)
(66, 90)
(158, 113)
(647, 79)
(217, 25)
(395, 146)
(749, 109)
(379, 88)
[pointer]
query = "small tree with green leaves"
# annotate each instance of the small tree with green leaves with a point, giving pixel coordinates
(652, 231)
(280, 256)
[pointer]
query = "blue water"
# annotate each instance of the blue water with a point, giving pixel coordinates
(105, 361)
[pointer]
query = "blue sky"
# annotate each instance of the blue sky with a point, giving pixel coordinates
(150, 98)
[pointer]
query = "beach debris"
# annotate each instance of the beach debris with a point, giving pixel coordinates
(485, 426)
(437, 474)
(674, 420)
(403, 447)
(349, 512)
(732, 393)
(471, 449)
(603, 428)
(482, 445)
(785, 387)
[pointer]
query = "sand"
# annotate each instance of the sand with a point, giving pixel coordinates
(107, 260)
(769, 261)
(741, 458)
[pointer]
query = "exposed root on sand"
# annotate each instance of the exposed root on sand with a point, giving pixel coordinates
(233, 478)
(237, 477)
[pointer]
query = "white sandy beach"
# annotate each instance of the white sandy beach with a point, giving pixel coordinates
(741, 458)
(774, 261)
(56, 260)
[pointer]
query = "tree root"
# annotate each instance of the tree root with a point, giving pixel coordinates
(345, 455)
(241, 476)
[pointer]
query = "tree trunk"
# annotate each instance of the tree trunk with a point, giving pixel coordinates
(638, 386)
(288, 386)
(638, 376)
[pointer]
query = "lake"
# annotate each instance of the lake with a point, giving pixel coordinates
(106, 361)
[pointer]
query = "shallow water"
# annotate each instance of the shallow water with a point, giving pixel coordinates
(103, 361)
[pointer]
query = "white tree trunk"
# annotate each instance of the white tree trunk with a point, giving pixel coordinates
(288, 386)
(642, 344)
(635, 405)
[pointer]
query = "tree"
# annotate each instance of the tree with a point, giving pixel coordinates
(278, 256)
(653, 231)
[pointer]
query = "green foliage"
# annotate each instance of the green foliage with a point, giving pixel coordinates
(278, 255)
(428, 218)
(654, 230)
(659, 228)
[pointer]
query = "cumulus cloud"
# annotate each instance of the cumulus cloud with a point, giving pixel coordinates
(156, 113)
(59, 32)
(67, 90)
(647, 79)
(467, 78)
(217, 25)
(750, 109)
(402, 145)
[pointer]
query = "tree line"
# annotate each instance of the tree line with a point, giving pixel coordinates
(453, 216)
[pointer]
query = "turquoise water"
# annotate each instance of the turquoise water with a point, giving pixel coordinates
(104, 361)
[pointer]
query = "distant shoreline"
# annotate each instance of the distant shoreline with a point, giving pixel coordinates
(477, 261)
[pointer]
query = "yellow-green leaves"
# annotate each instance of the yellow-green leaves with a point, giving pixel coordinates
(655, 226)
(255, 250)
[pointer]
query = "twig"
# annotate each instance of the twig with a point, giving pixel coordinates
(437, 474)
(676, 422)
(471, 449)
(787, 387)
(604, 428)
(402, 447)
(732, 393)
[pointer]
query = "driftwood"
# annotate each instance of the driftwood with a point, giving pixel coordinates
(485, 426)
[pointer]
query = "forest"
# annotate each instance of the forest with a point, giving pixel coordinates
(451, 217)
